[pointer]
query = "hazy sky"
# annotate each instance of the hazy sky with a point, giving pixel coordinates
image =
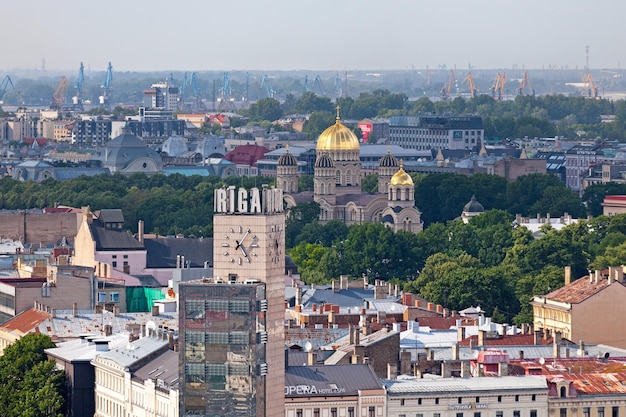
(334, 35)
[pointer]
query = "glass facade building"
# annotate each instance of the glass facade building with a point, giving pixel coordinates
(222, 343)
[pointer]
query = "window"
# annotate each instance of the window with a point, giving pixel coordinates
(477, 414)
(316, 412)
(533, 413)
(533, 397)
(436, 415)
(459, 414)
(114, 256)
(419, 415)
(114, 264)
(402, 401)
(517, 398)
(516, 413)
(436, 400)
(114, 297)
(499, 398)
(600, 411)
(459, 400)
(333, 412)
(562, 412)
(299, 412)
(125, 256)
(499, 413)
(419, 401)
(477, 400)
(371, 411)
(615, 412)
(350, 411)
(102, 297)
(586, 411)
(563, 392)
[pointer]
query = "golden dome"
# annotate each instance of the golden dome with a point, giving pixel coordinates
(337, 138)
(401, 178)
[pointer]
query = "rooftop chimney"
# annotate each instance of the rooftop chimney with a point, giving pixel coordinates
(140, 231)
(343, 279)
(312, 358)
(568, 275)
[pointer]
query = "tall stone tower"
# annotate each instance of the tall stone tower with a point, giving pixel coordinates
(244, 340)
(287, 172)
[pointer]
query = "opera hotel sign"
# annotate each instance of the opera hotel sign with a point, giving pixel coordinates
(243, 201)
(292, 390)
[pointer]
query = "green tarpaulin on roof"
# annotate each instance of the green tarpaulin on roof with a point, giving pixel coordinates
(141, 300)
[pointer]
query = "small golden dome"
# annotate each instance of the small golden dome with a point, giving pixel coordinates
(401, 177)
(337, 138)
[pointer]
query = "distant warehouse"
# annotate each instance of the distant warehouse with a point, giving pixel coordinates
(425, 132)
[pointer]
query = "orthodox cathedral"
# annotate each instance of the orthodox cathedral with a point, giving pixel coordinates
(337, 184)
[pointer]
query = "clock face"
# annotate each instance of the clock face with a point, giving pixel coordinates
(240, 245)
(275, 243)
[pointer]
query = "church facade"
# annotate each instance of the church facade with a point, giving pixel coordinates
(337, 184)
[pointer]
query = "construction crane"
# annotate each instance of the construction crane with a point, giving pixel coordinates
(106, 87)
(593, 90)
(497, 88)
(265, 83)
(447, 87)
(77, 100)
(524, 84)
(183, 93)
(471, 85)
(4, 86)
(307, 87)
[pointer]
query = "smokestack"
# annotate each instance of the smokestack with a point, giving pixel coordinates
(140, 231)
(298, 295)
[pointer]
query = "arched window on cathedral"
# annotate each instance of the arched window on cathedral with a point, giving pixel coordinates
(353, 215)
(349, 177)
(338, 177)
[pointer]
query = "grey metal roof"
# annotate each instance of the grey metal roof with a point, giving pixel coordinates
(108, 239)
(84, 349)
(163, 252)
(135, 352)
(163, 368)
(449, 386)
(329, 380)
(343, 298)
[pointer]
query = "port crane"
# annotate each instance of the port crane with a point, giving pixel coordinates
(447, 87)
(338, 86)
(469, 79)
(4, 86)
(497, 88)
(106, 87)
(269, 91)
(593, 90)
(226, 90)
(59, 94)
(524, 84)
(77, 100)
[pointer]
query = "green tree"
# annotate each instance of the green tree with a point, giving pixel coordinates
(369, 184)
(318, 122)
(30, 384)
(265, 109)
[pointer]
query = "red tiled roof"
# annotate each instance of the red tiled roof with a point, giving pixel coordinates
(595, 383)
(579, 290)
(26, 321)
(246, 154)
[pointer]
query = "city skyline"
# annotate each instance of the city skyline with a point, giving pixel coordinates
(321, 35)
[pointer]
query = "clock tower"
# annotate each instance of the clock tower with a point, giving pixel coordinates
(249, 248)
